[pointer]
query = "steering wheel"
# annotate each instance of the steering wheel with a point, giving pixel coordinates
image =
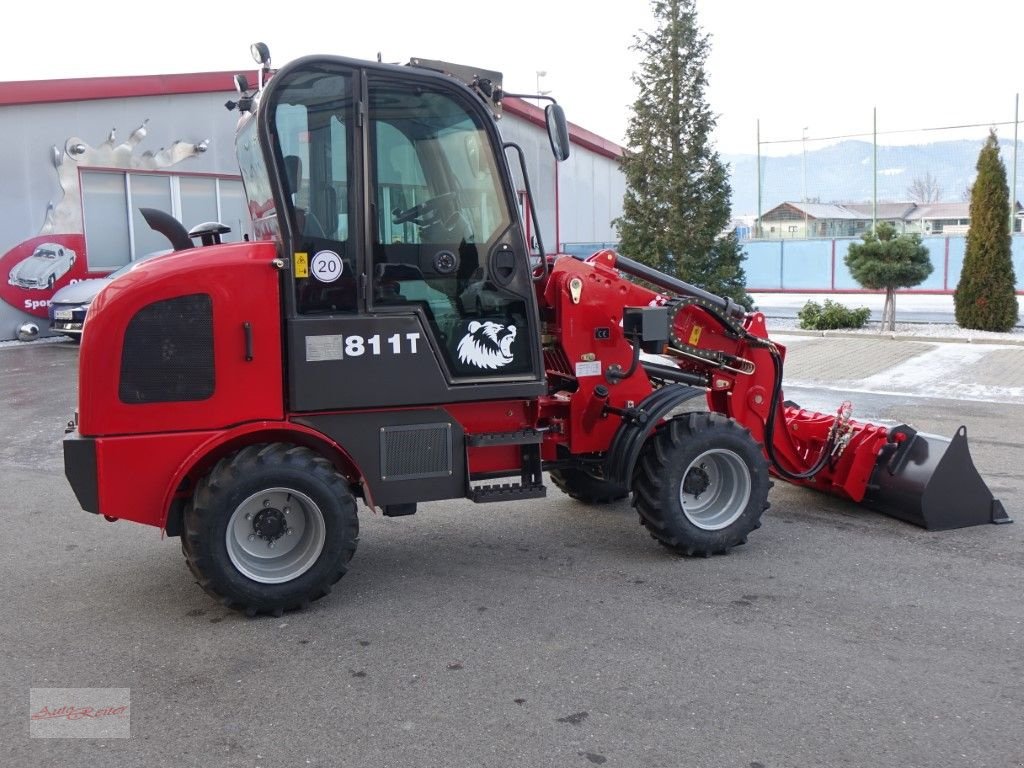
(427, 212)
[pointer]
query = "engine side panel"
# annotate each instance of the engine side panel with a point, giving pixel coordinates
(191, 341)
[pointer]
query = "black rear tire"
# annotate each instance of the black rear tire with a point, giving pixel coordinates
(238, 530)
(701, 484)
(583, 487)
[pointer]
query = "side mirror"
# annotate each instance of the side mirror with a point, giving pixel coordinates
(558, 131)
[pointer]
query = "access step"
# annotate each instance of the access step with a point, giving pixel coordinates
(518, 437)
(482, 494)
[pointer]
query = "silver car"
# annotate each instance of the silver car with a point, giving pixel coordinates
(48, 263)
(69, 305)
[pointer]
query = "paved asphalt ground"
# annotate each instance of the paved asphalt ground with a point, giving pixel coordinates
(542, 633)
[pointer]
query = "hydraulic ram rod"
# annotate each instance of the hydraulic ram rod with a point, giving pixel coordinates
(675, 285)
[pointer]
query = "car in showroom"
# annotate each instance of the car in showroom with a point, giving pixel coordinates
(70, 304)
(48, 263)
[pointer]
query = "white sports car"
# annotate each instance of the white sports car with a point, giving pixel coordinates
(48, 263)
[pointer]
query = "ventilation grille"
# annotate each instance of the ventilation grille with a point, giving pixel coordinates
(415, 451)
(168, 352)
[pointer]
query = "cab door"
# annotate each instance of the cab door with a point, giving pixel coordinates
(410, 281)
(445, 243)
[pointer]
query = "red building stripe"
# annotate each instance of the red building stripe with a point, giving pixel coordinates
(91, 88)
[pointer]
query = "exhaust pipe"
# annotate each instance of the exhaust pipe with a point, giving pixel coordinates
(931, 481)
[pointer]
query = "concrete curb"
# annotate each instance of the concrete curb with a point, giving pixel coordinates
(897, 337)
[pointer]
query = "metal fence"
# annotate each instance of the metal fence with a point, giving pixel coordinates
(819, 265)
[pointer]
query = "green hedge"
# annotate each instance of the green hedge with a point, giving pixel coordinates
(831, 315)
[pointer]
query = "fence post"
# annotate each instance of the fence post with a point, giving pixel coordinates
(945, 265)
(782, 263)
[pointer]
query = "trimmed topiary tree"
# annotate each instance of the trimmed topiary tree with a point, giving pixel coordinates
(885, 261)
(985, 299)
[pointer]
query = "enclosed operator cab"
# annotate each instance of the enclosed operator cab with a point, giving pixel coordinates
(407, 276)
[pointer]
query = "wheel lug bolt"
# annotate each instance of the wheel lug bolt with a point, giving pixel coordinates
(266, 502)
(287, 510)
(252, 537)
(270, 545)
(289, 532)
(248, 515)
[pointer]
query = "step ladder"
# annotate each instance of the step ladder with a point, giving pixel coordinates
(531, 482)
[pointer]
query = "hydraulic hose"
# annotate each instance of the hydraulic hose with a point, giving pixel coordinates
(769, 432)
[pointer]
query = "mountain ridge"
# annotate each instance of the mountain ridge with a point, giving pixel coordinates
(841, 173)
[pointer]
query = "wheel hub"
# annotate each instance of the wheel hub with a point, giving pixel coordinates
(696, 481)
(270, 524)
(275, 535)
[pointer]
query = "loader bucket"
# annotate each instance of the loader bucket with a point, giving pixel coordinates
(931, 481)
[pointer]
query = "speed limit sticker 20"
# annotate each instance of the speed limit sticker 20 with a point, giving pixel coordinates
(326, 266)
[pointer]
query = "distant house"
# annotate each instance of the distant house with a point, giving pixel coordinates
(817, 220)
(940, 218)
(803, 220)
(894, 213)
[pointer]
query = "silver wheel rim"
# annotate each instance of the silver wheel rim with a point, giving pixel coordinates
(715, 489)
(275, 535)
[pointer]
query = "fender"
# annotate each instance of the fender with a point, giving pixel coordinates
(626, 445)
(210, 452)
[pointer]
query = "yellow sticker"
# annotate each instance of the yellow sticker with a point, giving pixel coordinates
(695, 336)
(301, 263)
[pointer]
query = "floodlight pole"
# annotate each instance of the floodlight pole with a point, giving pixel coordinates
(1013, 185)
(758, 230)
(803, 141)
(874, 168)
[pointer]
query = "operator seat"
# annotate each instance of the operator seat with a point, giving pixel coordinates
(305, 221)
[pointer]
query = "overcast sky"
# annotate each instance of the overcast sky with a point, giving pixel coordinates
(793, 64)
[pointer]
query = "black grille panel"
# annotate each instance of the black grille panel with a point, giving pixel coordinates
(168, 352)
(415, 451)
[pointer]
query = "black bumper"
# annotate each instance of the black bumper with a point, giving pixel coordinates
(80, 470)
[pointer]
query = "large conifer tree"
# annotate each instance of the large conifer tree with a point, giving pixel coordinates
(985, 298)
(677, 189)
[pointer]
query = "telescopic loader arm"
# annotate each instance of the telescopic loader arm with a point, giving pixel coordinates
(684, 335)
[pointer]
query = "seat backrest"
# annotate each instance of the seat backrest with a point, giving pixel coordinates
(293, 172)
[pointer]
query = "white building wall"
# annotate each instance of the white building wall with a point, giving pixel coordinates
(540, 165)
(591, 190)
(30, 130)
(588, 188)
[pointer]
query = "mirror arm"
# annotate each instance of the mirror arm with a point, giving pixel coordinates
(530, 96)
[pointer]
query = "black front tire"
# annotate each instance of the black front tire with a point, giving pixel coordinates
(701, 484)
(259, 497)
(583, 487)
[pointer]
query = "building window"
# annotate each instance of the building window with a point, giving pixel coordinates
(115, 230)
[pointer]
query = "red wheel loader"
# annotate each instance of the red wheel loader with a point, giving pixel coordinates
(387, 336)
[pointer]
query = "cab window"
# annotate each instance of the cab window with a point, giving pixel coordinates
(313, 120)
(439, 210)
